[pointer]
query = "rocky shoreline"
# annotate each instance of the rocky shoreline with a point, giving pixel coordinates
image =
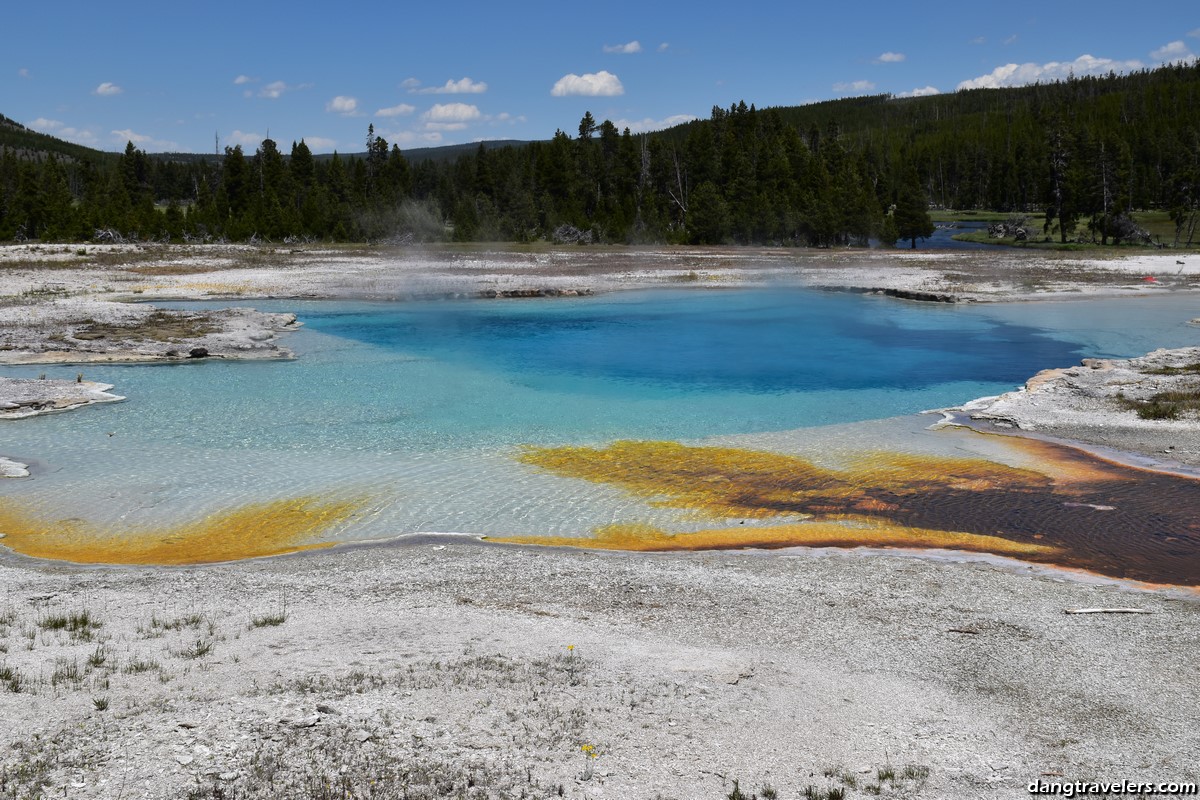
(90, 332)
(1097, 403)
(28, 397)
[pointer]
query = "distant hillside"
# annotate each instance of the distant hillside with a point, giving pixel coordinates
(443, 153)
(28, 143)
(453, 151)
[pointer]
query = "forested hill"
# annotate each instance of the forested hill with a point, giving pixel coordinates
(29, 144)
(1080, 154)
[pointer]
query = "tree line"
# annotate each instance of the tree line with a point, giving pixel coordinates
(1081, 153)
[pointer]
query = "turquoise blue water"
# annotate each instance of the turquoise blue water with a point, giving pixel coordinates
(422, 403)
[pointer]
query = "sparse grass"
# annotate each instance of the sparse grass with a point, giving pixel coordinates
(908, 780)
(159, 326)
(157, 627)
(1184, 370)
(98, 658)
(329, 764)
(138, 665)
(100, 703)
(174, 269)
(26, 777)
(80, 624)
(767, 792)
(199, 649)
(917, 773)
(43, 292)
(11, 678)
(1164, 405)
(270, 619)
(66, 670)
(737, 793)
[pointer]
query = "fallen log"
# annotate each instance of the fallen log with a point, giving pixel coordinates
(1106, 611)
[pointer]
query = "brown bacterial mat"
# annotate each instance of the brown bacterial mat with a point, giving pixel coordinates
(1074, 510)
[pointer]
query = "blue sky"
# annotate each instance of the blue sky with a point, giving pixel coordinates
(169, 77)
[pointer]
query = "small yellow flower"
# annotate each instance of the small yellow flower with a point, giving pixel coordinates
(570, 648)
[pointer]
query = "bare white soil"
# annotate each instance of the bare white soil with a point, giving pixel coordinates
(431, 665)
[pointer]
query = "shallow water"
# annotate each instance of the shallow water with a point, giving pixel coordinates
(416, 411)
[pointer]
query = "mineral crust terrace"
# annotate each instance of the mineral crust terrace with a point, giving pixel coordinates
(1096, 403)
(92, 331)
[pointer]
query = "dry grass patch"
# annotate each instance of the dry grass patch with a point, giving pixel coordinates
(159, 326)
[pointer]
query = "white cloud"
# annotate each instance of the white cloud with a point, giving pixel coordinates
(854, 86)
(410, 83)
(63, 131)
(242, 79)
(142, 141)
(22, 72)
(346, 106)
(396, 111)
(464, 86)
(662, 48)
(451, 114)
(649, 124)
(1172, 52)
(407, 139)
(591, 84)
(890, 58)
(275, 89)
(107, 89)
(979, 40)
(1011, 40)
(1194, 34)
(1022, 74)
(925, 91)
(128, 135)
(626, 49)
(245, 139)
(319, 143)
(79, 135)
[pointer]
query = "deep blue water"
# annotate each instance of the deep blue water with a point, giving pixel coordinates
(753, 342)
(670, 364)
